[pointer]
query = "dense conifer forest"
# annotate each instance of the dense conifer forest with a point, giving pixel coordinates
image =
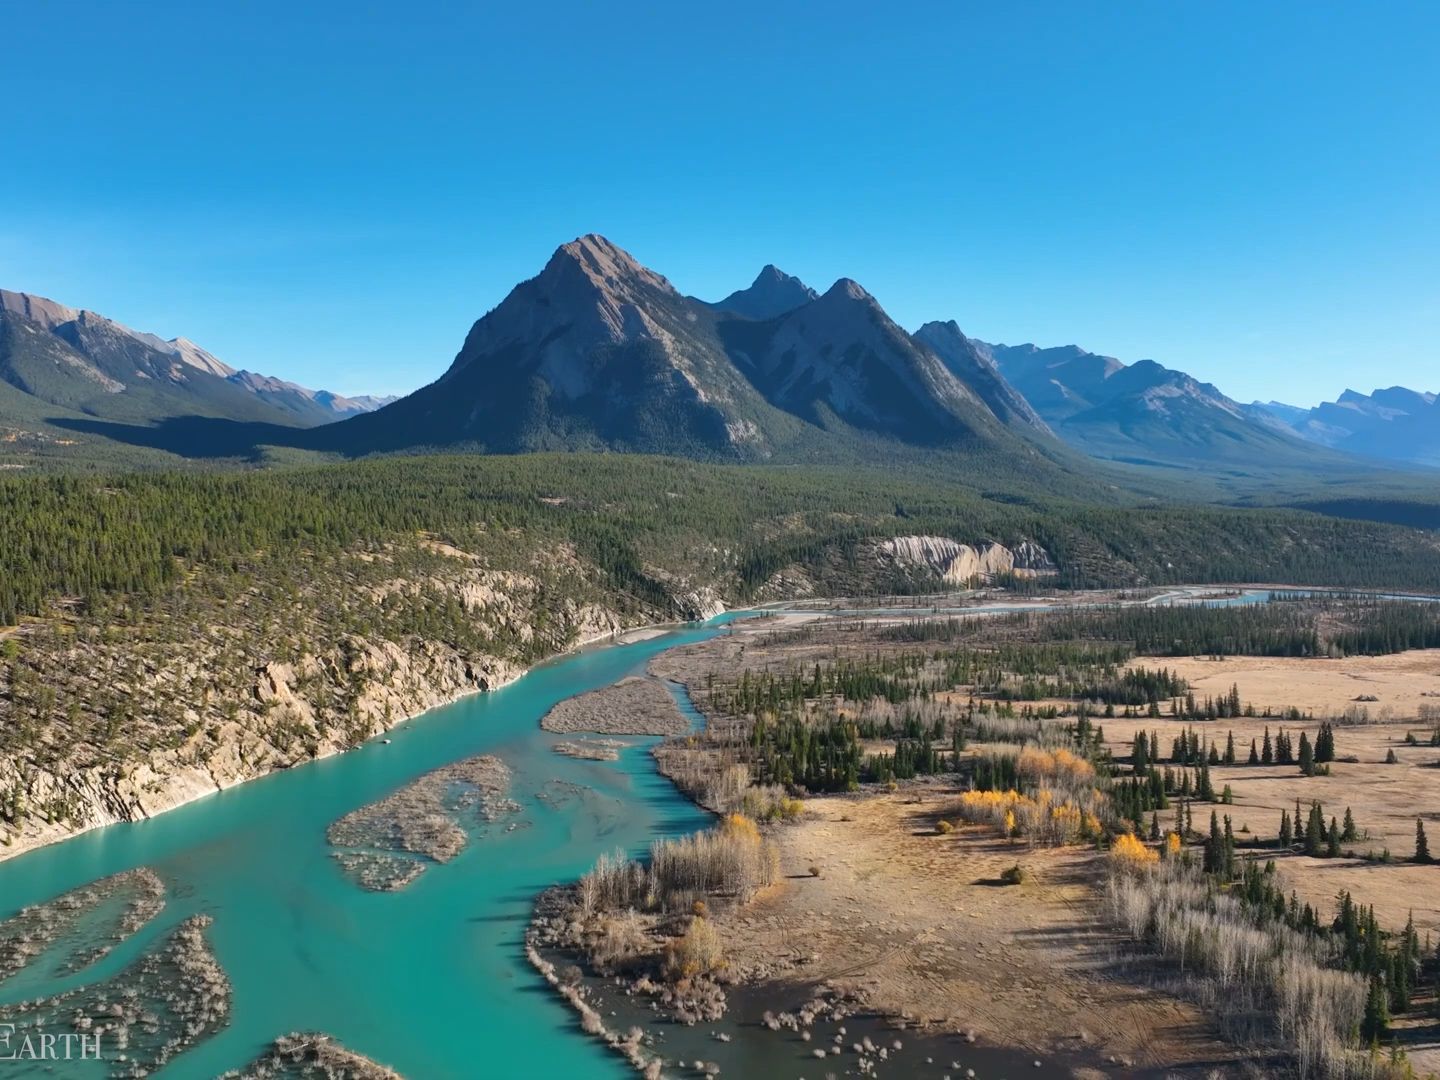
(80, 536)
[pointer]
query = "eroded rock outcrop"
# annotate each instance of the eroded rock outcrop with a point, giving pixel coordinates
(120, 724)
(960, 564)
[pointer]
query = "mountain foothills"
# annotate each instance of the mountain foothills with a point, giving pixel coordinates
(60, 366)
(1396, 424)
(239, 621)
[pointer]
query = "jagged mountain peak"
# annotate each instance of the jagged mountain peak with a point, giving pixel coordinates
(597, 351)
(200, 358)
(591, 295)
(771, 273)
(943, 326)
(602, 264)
(848, 289)
(37, 309)
(772, 293)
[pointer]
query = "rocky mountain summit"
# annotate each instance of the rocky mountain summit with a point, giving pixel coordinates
(600, 352)
(772, 293)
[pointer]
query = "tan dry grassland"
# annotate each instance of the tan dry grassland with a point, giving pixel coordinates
(918, 925)
(1385, 799)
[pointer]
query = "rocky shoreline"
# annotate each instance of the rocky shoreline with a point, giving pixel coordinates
(638, 705)
(403, 685)
(393, 840)
(313, 1055)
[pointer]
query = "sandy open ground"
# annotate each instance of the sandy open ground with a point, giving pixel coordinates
(919, 925)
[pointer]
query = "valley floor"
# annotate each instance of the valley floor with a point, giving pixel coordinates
(881, 902)
(918, 925)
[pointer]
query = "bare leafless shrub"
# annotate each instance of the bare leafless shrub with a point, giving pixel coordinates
(731, 860)
(1263, 983)
(619, 941)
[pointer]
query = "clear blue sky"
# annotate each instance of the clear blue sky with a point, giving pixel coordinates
(333, 193)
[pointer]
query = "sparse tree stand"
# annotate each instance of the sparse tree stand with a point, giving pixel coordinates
(1422, 845)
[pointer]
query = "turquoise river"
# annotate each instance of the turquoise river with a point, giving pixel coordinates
(430, 980)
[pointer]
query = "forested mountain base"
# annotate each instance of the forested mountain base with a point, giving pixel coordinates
(163, 634)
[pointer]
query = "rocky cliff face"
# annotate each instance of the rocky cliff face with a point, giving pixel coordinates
(960, 564)
(205, 713)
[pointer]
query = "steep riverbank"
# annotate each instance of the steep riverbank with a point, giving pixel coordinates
(306, 949)
(282, 715)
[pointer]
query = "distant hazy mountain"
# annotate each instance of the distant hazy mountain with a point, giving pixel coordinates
(599, 352)
(1395, 423)
(319, 406)
(62, 360)
(1143, 412)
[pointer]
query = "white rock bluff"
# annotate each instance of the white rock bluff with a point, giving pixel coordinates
(959, 564)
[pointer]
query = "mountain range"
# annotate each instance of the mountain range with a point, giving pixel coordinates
(60, 363)
(1395, 423)
(600, 353)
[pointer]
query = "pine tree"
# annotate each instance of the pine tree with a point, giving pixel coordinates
(1377, 1013)
(1307, 756)
(1422, 846)
(1204, 790)
(1314, 830)
(1214, 854)
(1332, 846)
(1267, 755)
(1286, 838)
(1230, 748)
(1284, 751)
(1254, 754)
(1349, 834)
